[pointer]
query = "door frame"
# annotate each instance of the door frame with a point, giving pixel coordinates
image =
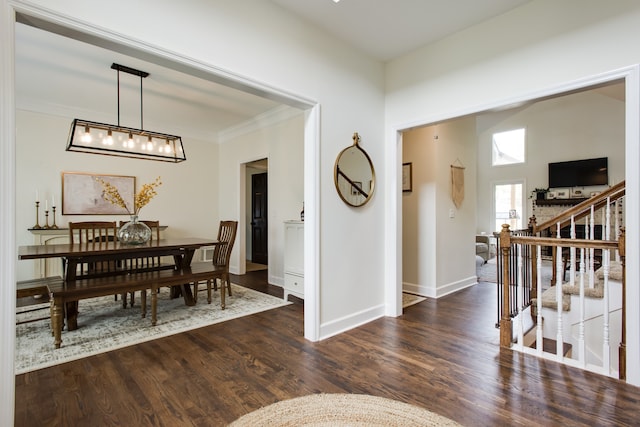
(53, 21)
(523, 207)
(393, 189)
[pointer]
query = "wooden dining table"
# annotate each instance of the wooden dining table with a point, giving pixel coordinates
(181, 249)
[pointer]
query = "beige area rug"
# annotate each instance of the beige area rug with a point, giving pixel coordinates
(488, 272)
(410, 299)
(342, 410)
(103, 325)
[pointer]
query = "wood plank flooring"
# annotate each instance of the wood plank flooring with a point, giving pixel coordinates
(441, 355)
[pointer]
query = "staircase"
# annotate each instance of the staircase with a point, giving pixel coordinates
(584, 311)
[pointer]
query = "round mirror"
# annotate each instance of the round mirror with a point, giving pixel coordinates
(354, 175)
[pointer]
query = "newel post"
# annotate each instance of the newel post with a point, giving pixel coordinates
(622, 350)
(505, 320)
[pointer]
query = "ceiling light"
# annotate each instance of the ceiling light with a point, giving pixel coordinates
(98, 138)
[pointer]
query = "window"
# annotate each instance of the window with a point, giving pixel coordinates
(508, 147)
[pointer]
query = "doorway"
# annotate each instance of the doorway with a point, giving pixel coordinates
(257, 241)
(508, 205)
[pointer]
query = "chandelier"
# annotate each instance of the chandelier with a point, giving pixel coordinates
(116, 140)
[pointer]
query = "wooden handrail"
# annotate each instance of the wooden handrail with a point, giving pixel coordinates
(582, 209)
(507, 239)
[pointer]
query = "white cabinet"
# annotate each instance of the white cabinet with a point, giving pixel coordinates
(294, 259)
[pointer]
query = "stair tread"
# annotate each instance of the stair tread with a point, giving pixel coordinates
(549, 346)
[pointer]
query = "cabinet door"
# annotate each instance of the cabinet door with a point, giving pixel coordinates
(294, 248)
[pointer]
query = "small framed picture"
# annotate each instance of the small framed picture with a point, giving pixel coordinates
(577, 193)
(407, 179)
(356, 188)
(513, 214)
(562, 193)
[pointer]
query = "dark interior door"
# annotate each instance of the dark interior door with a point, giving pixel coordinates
(259, 251)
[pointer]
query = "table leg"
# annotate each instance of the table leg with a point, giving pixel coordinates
(154, 306)
(184, 290)
(56, 321)
(72, 315)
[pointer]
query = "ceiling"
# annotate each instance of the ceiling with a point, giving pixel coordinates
(59, 75)
(386, 29)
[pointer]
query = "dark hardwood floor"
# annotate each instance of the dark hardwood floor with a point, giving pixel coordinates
(441, 355)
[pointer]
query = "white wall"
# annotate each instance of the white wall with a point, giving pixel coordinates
(282, 145)
(186, 202)
(264, 43)
(528, 51)
(577, 126)
(432, 239)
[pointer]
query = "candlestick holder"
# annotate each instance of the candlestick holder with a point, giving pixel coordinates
(37, 226)
(46, 217)
(54, 226)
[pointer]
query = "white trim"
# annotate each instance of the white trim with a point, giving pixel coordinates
(8, 253)
(441, 291)
(312, 224)
(393, 150)
(54, 22)
(352, 321)
(632, 219)
(268, 118)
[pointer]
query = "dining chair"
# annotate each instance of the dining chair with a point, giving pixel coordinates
(221, 256)
(93, 233)
(142, 263)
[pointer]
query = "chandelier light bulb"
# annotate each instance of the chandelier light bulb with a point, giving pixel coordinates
(109, 139)
(86, 138)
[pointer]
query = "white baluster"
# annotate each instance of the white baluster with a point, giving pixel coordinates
(559, 274)
(572, 253)
(520, 301)
(606, 355)
(582, 349)
(539, 338)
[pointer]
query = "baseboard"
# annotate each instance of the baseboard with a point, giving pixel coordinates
(440, 291)
(352, 321)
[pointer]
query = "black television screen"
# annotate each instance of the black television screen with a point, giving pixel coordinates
(579, 173)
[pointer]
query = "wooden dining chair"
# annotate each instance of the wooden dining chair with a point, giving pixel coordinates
(221, 257)
(93, 233)
(143, 263)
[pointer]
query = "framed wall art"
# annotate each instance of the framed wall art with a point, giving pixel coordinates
(407, 179)
(82, 194)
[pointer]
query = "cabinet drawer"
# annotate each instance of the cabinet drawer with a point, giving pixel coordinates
(294, 283)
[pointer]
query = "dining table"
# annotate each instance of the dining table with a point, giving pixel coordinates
(181, 249)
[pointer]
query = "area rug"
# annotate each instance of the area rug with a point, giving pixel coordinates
(488, 272)
(103, 325)
(342, 410)
(410, 299)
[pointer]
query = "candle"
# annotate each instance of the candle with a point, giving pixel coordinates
(53, 201)
(46, 205)
(37, 196)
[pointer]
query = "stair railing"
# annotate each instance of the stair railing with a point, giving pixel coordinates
(513, 299)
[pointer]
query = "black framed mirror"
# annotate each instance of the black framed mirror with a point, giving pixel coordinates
(354, 174)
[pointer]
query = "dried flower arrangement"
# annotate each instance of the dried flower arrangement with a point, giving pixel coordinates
(141, 198)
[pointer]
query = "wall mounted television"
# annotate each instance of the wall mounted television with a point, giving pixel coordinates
(579, 173)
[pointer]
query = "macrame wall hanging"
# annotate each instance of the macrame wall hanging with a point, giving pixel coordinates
(457, 183)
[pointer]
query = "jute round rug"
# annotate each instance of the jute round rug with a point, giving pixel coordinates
(342, 410)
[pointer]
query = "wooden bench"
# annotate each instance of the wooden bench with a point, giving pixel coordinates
(62, 293)
(30, 288)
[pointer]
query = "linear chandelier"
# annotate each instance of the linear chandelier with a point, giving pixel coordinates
(115, 140)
